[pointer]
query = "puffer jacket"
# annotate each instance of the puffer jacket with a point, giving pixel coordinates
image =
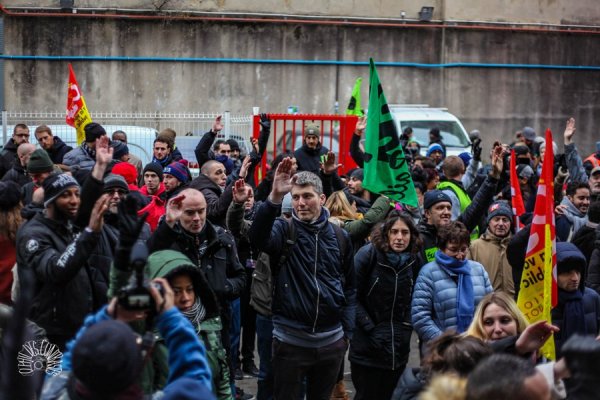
(217, 201)
(490, 251)
(66, 286)
(315, 290)
(166, 264)
(434, 302)
(78, 156)
(383, 321)
(58, 150)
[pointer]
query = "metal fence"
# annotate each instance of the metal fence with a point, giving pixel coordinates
(141, 128)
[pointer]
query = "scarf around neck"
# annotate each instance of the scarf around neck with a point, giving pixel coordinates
(465, 300)
(574, 314)
(196, 313)
(90, 152)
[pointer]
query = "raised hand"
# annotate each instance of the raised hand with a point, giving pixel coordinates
(282, 181)
(104, 153)
(361, 125)
(97, 217)
(217, 125)
(329, 166)
(244, 168)
(534, 337)
(174, 210)
(241, 192)
(497, 161)
(569, 131)
(265, 121)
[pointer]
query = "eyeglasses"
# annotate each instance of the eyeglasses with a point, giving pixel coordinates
(112, 192)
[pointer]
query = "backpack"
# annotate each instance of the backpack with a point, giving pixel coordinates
(265, 271)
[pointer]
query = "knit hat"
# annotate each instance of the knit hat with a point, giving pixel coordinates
(55, 185)
(127, 171)
(39, 161)
(434, 147)
(115, 181)
(521, 149)
(465, 157)
(524, 171)
(433, 197)
(312, 130)
(499, 208)
(178, 170)
(358, 174)
(107, 359)
(233, 144)
(529, 133)
(93, 131)
(10, 195)
(156, 168)
(286, 204)
(119, 149)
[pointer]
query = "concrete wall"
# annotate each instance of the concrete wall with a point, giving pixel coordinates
(496, 101)
(580, 12)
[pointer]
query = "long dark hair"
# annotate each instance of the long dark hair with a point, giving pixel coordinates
(380, 233)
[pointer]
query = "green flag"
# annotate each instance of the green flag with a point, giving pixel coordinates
(354, 104)
(386, 170)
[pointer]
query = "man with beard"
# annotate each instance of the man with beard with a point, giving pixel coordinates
(9, 152)
(574, 208)
(490, 249)
(53, 145)
(162, 149)
(175, 178)
(212, 182)
(355, 192)
(57, 253)
(438, 207)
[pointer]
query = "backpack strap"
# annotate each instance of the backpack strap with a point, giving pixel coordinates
(290, 241)
(342, 241)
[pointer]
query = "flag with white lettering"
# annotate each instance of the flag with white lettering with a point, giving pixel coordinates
(78, 115)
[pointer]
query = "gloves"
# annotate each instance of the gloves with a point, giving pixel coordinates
(130, 225)
(265, 122)
(476, 149)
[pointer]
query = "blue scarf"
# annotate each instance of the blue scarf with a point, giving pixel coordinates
(465, 300)
(164, 162)
(574, 314)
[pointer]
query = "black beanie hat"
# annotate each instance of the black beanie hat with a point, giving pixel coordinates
(433, 197)
(93, 131)
(39, 161)
(10, 195)
(55, 185)
(107, 359)
(115, 181)
(499, 208)
(156, 168)
(358, 174)
(119, 149)
(233, 144)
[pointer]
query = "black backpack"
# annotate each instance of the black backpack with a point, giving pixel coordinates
(265, 271)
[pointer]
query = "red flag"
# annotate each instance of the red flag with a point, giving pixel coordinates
(78, 115)
(518, 208)
(539, 292)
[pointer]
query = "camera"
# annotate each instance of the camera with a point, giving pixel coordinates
(136, 296)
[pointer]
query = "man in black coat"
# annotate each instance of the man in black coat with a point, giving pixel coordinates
(9, 152)
(53, 145)
(18, 172)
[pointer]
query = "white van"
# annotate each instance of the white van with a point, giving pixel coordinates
(421, 118)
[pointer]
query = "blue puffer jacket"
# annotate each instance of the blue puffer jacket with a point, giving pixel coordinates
(315, 290)
(434, 300)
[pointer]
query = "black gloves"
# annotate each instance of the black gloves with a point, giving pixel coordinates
(265, 122)
(476, 149)
(130, 225)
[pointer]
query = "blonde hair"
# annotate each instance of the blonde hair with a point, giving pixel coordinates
(339, 207)
(503, 300)
(445, 387)
(10, 221)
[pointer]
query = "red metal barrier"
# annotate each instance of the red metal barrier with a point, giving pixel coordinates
(287, 134)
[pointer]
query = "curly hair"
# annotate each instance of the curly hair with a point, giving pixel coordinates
(10, 221)
(380, 233)
(454, 232)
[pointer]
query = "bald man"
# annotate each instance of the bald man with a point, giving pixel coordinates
(18, 172)
(212, 183)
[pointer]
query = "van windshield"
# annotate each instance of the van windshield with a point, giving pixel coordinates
(452, 134)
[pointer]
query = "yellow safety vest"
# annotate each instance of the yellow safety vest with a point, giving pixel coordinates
(463, 199)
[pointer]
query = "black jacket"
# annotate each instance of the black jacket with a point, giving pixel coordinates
(217, 201)
(8, 157)
(315, 290)
(470, 217)
(17, 174)
(58, 150)
(67, 288)
(309, 159)
(584, 239)
(219, 263)
(383, 319)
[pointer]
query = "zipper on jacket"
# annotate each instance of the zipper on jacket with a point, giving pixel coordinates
(373, 287)
(316, 281)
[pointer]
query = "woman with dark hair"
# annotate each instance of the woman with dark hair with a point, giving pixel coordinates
(449, 288)
(384, 279)
(10, 220)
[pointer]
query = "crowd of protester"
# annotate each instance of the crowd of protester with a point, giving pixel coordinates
(155, 283)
